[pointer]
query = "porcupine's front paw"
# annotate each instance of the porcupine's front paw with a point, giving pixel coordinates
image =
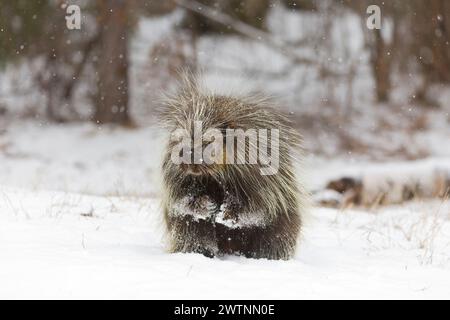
(196, 207)
(227, 217)
(237, 218)
(234, 215)
(191, 226)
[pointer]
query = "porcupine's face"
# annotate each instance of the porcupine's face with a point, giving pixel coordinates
(198, 137)
(202, 128)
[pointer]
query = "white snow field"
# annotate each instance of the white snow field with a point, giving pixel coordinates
(100, 233)
(65, 245)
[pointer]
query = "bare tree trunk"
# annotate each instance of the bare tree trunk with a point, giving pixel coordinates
(441, 59)
(112, 97)
(381, 67)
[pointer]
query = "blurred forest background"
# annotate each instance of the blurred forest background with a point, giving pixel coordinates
(318, 57)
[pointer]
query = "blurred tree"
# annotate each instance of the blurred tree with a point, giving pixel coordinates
(112, 64)
(430, 47)
(379, 43)
(252, 12)
(36, 31)
(116, 20)
(420, 37)
(97, 55)
(380, 52)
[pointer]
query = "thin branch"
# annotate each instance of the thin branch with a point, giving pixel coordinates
(244, 29)
(250, 72)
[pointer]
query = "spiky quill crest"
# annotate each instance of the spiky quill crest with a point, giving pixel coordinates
(279, 199)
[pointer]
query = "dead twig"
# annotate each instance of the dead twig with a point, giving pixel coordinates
(245, 30)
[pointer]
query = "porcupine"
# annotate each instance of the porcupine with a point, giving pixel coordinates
(220, 208)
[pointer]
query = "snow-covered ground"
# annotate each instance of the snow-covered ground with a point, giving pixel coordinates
(80, 218)
(81, 158)
(63, 245)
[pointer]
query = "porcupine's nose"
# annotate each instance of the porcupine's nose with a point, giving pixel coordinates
(193, 169)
